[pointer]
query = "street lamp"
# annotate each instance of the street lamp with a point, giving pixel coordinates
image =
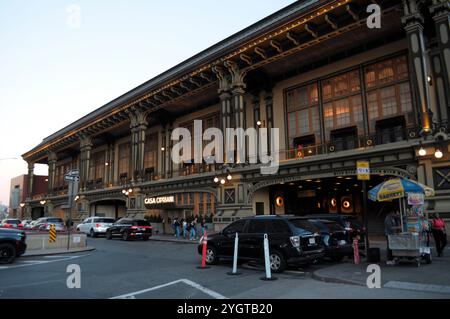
(438, 153)
(422, 151)
(22, 205)
(43, 201)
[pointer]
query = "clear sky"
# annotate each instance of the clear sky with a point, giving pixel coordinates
(56, 67)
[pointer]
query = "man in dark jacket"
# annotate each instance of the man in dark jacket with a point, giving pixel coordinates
(391, 226)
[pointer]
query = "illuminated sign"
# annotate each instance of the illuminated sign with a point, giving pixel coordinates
(159, 200)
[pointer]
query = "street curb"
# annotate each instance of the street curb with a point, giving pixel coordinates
(315, 276)
(195, 242)
(59, 252)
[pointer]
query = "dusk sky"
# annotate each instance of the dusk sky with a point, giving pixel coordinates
(55, 68)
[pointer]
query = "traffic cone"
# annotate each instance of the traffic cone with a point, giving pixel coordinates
(205, 244)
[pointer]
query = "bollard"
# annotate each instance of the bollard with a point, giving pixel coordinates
(205, 243)
(235, 257)
(267, 260)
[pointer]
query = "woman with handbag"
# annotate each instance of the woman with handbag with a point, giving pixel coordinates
(439, 234)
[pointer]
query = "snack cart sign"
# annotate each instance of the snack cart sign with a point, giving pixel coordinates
(416, 199)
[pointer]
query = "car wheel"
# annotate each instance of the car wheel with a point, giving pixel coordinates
(145, 238)
(125, 236)
(7, 253)
(277, 262)
(211, 256)
(108, 235)
(92, 233)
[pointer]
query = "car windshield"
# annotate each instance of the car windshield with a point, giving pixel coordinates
(141, 223)
(304, 224)
(104, 220)
(332, 226)
(55, 220)
(13, 221)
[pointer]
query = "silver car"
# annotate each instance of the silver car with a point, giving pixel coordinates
(94, 226)
(44, 223)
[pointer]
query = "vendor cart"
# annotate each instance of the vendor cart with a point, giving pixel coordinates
(409, 247)
(412, 242)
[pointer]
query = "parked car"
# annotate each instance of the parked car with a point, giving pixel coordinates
(334, 239)
(350, 223)
(43, 224)
(30, 225)
(10, 223)
(291, 241)
(128, 228)
(24, 223)
(94, 226)
(12, 244)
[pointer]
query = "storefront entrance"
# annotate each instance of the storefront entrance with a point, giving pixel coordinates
(335, 195)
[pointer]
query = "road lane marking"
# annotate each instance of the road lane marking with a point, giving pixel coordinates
(27, 263)
(417, 287)
(204, 289)
(185, 281)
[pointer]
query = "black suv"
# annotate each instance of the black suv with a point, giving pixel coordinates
(291, 241)
(12, 244)
(351, 224)
(128, 228)
(334, 239)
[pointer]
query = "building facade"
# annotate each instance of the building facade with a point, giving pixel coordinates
(21, 191)
(338, 89)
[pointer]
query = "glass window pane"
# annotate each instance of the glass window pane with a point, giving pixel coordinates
(304, 121)
(405, 97)
(303, 99)
(388, 101)
(292, 124)
(328, 115)
(342, 112)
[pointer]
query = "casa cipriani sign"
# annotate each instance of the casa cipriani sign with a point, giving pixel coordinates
(160, 200)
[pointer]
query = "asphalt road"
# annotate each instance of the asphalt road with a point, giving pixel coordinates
(157, 269)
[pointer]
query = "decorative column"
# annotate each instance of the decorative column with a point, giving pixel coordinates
(440, 11)
(413, 24)
(30, 179)
(51, 171)
(85, 157)
(225, 102)
(167, 151)
(138, 127)
(238, 90)
(109, 171)
(268, 99)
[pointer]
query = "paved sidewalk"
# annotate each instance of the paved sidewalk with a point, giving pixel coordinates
(57, 251)
(433, 277)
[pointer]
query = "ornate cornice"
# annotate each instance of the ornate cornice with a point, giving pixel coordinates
(197, 73)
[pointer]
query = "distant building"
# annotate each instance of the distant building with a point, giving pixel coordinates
(19, 192)
(3, 211)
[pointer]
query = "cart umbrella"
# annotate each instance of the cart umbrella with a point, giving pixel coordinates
(398, 188)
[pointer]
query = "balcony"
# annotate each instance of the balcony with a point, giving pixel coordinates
(342, 142)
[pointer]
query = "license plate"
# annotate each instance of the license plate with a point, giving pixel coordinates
(312, 241)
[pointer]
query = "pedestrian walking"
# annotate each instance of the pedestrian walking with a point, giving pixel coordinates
(391, 226)
(184, 227)
(176, 225)
(203, 226)
(193, 225)
(439, 234)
